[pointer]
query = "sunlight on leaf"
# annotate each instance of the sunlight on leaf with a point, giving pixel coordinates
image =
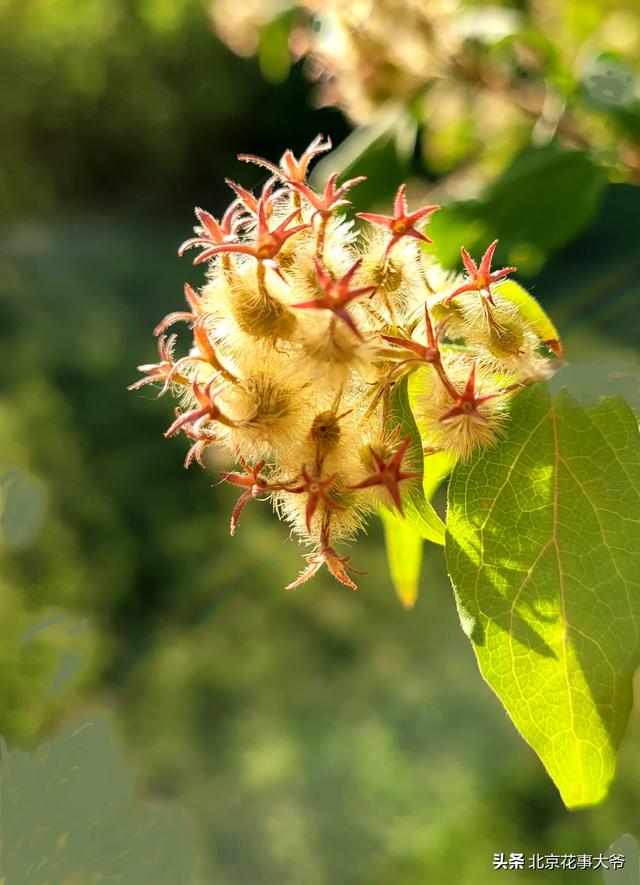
(404, 537)
(404, 554)
(437, 468)
(418, 511)
(543, 548)
(532, 311)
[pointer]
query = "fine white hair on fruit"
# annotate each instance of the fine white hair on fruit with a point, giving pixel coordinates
(299, 335)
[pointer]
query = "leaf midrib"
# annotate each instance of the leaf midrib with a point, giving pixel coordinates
(554, 541)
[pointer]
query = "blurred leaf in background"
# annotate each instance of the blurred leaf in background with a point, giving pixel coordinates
(69, 814)
(487, 80)
(539, 204)
(126, 100)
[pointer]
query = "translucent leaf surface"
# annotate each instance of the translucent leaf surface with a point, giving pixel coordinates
(404, 536)
(418, 510)
(404, 555)
(543, 548)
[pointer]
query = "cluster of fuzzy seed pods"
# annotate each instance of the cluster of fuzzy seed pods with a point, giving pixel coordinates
(302, 329)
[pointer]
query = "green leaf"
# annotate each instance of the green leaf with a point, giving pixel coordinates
(418, 511)
(543, 548)
(437, 468)
(404, 555)
(594, 286)
(273, 49)
(382, 150)
(540, 203)
(404, 537)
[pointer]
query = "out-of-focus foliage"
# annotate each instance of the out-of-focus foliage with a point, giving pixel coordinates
(482, 80)
(69, 814)
(539, 204)
(113, 100)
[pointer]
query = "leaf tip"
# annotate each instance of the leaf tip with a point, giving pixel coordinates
(408, 596)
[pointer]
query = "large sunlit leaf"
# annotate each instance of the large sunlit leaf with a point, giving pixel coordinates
(543, 548)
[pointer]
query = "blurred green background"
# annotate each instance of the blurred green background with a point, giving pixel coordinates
(320, 737)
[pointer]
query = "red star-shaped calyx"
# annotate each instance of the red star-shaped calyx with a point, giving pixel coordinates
(251, 480)
(419, 353)
(336, 294)
(316, 490)
(481, 277)
(193, 301)
(428, 354)
(401, 223)
(332, 198)
(291, 169)
(389, 473)
(337, 566)
(207, 411)
(251, 204)
(267, 242)
(164, 370)
(211, 233)
(206, 353)
(466, 403)
(201, 439)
